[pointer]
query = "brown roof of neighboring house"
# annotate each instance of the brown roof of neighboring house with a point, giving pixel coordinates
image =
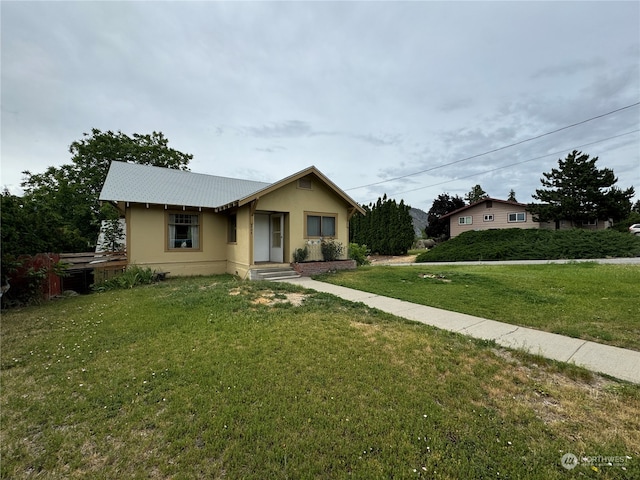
(496, 200)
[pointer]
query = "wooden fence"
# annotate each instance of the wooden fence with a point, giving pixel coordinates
(97, 267)
(48, 275)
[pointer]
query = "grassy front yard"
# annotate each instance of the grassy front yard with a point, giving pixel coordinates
(582, 300)
(212, 378)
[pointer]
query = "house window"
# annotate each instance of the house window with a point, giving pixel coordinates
(184, 231)
(465, 220)
(590, 223)
(517, 217)
(320, 225)
(488, 218)
(232, 228)
(489, 203)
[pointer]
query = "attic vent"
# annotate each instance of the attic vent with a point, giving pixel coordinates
(305, 183)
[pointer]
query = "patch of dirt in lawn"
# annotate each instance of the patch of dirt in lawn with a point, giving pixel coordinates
(270, 299)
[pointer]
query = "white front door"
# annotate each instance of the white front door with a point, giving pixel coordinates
(260, 237)
(277, 236)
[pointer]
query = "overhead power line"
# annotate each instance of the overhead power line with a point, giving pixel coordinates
(560, 152)
(498, 149)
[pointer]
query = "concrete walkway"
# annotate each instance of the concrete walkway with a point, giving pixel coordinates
(614, 361)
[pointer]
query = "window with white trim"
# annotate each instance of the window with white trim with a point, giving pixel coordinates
(318, 225)
(590, 223)
(468, 220)
(488, 218)
(517, 217)
(184, 231)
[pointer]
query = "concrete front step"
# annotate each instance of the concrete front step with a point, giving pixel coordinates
(274, 274)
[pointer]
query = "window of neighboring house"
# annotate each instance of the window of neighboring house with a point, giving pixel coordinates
(517, 217)
(488, 218)
(591, 223)
(489, 203)
(232, 228)
(184, 231)
(320, 225)
(465, 220)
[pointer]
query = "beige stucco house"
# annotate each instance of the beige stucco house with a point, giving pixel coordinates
(492, 213)
(193, 224)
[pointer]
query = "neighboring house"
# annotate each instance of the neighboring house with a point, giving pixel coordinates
(492, 214)
(193, 224)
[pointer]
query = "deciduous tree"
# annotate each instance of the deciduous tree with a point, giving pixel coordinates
(442, 205)
(70, 192)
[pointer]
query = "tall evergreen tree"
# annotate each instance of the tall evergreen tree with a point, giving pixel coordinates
(386, 228)
(512, 196)
(475, 195)
(580, 192)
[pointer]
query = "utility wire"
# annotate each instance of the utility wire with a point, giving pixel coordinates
(517, 163)
(498, 149)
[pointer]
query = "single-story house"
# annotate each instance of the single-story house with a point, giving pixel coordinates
(493, 213)
(187, 223)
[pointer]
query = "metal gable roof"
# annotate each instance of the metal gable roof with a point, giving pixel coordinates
(131, 182)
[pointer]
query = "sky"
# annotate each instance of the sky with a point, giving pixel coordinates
(407, 99)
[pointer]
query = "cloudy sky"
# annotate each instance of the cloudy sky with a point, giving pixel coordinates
(411, 99)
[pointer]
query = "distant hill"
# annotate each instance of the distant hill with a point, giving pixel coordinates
(419, 218)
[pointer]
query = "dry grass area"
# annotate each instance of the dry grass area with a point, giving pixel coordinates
(582, 407)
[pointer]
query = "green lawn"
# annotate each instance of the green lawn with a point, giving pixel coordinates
(584, 300)
(214, 378)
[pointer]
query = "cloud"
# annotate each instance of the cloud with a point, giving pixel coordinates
(366, 91)
(578, 67)
(287, 129)
(273, 149)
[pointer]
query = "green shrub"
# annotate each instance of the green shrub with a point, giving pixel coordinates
(300, 254)
(533, 244)
(128, 279)
(359, 253)
(331, 250)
